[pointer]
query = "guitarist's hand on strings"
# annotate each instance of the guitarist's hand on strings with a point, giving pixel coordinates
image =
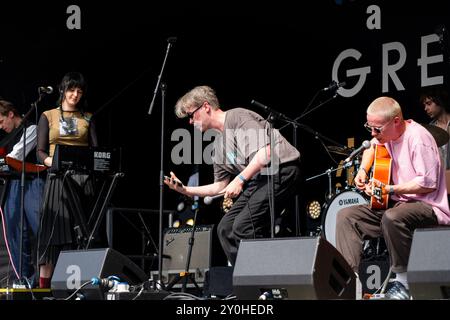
(374, 184)
(368, 188)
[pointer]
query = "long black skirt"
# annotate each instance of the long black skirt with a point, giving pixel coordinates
(58, 225)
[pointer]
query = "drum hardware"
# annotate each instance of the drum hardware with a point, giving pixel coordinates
(331, 193)
(374, 249)
(342, 151)
(350, 174)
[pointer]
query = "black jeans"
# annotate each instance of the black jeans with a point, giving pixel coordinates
(249, 217)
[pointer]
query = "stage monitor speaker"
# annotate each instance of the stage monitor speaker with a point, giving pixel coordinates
(292, 268)
(429, 264)
(77, 267)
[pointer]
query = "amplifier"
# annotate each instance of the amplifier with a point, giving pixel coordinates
(176, 246)
(175, 252)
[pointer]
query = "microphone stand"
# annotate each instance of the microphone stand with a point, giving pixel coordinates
(328, 173)
(306, 111)
(316, 134)
(163, 88)
(277, 115)
(170, 41)
(186, 275)
(22, 180)
(273, 115)
(270, 177)
(297, 197)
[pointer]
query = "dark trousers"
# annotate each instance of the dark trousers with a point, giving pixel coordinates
(249, 217)
(32, 203)
(358, 223)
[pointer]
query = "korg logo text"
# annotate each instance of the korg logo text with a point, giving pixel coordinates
(102, 155)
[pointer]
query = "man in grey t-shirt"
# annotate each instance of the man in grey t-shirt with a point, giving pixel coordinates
(241, 160)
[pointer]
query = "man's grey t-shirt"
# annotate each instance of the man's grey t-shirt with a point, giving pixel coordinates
(245, 132)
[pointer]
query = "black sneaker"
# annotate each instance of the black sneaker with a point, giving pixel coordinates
(397, 291)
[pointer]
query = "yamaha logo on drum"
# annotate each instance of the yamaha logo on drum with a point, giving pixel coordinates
(347, 202)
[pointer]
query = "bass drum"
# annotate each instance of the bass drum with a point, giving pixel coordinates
(342, 200)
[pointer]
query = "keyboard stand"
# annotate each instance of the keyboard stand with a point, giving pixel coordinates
(93, 226)
(86, 231)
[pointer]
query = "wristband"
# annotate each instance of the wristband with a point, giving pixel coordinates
(240, 176)
(391, 190)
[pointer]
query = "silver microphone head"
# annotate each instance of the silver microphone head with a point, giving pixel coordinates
(208, 200)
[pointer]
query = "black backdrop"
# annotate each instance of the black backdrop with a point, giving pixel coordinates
(279, 53)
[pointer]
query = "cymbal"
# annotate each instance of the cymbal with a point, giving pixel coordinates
(440, 135)
(344, 151)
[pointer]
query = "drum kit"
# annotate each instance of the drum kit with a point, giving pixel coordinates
(337, 199)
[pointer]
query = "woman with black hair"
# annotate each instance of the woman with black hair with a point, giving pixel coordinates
(68, 124)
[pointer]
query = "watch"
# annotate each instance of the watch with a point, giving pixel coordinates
(391, 190)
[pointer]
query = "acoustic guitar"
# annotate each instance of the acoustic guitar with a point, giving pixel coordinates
(381, 176)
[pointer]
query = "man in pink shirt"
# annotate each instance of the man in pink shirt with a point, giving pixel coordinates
(417, 190)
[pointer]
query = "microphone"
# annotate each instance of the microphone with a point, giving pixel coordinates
(364, 145)
(172, 39)
(46, 90)
(334, 86)
(276, 114)
(208, 200)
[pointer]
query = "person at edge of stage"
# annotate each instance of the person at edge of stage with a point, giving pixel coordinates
(12, 123)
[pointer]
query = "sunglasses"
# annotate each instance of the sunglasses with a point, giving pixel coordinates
(378, 130)
(191, 114)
